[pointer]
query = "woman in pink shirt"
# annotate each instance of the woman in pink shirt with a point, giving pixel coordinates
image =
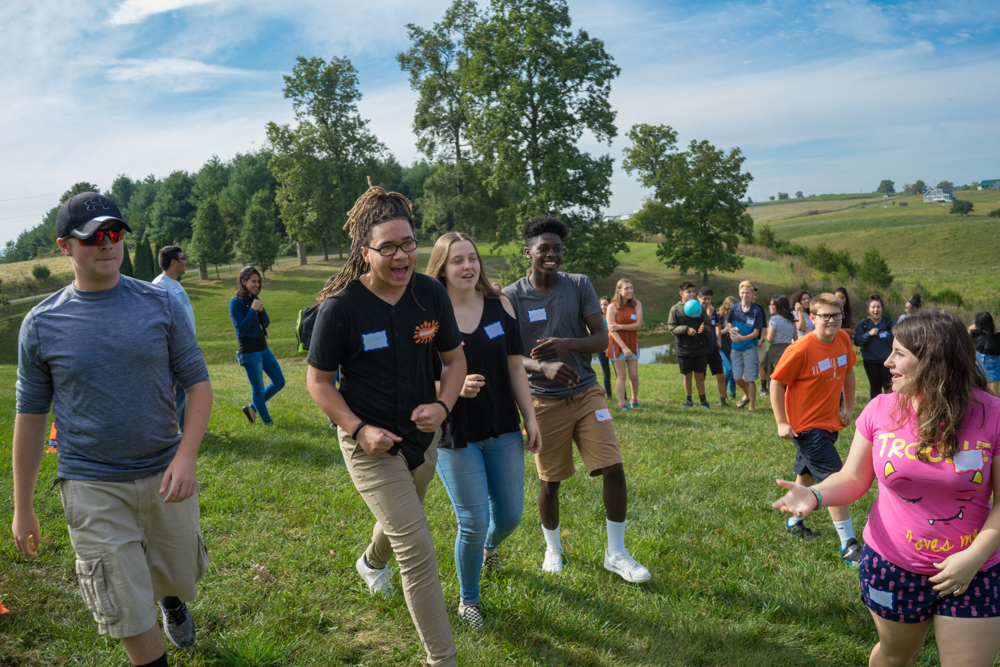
(932, 542)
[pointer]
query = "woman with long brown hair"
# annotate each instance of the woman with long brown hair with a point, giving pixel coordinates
(932, 543)
(384, 325)
(482, 463)
(624, 317)
(250, 321)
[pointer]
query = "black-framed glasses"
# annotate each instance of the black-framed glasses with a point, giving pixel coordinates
(826, 317)
(389, 249)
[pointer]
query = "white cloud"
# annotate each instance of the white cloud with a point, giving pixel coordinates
(136, 11)
(176, 74)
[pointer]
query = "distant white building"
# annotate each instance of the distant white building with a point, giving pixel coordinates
(938, 195)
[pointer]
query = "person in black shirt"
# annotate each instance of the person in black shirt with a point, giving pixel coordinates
(382, 325)
(482, 465)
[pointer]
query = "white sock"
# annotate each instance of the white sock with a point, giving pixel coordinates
(845, 531)
(616, 536)
(552, 538)
(792, 520)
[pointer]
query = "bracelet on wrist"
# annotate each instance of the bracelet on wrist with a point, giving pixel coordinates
(447, 412)
(354, 436)
(819, 496)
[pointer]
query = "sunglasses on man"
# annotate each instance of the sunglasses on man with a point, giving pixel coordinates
(114, 235)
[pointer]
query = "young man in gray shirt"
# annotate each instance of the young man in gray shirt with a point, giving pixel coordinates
(104, 350)
(173, 263)
(560, 322)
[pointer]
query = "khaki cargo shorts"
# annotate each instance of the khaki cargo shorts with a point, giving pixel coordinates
(584, 419)
(131, 550)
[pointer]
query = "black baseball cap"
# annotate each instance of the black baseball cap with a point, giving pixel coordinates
(82, 214)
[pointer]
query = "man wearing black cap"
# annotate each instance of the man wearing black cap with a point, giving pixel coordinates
(127, 476)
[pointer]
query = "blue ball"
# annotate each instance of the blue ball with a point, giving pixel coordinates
(692, 308)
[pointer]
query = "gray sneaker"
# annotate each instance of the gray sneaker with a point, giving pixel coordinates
(177, 622)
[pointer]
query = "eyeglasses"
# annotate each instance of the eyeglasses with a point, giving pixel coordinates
(825, 317)
(389, 249)
(114, 235)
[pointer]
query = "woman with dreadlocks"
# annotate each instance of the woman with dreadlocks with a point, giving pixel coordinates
(382, 324)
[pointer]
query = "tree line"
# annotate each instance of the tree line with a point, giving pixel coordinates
(505, 94)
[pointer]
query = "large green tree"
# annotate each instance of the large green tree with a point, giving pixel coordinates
(886, 187)
(174, 207)
(321, 165)
(535, 88)
(210, 242)
(874, 271)
(259, 239)
(697, 199)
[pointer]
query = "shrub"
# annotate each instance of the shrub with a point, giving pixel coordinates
(40, 271)
(961, 207)
(995, 213)
(766, 237)
(948, 296)
(874, 271)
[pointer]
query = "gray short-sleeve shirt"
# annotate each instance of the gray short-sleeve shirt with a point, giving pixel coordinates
(558, 314)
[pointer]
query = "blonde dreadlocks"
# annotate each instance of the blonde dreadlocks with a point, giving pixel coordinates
(372, 208)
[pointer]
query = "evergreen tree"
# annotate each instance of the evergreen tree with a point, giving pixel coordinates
(259, 238)
(874, 271)
(210, 242)
(143, 269)
(126, 267)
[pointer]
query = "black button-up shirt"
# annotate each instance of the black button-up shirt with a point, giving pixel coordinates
(386, 354)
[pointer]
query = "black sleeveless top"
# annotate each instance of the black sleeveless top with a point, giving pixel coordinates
(493, 412)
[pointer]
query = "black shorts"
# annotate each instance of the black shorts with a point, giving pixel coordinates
(693, 364)
(816, 453)
(715, 362)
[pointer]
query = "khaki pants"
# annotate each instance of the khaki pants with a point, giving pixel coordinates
(395, 495)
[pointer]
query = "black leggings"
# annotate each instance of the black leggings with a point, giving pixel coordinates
(879, 377)
(606, 369)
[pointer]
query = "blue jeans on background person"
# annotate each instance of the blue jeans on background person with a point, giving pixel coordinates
(256, 364)
(181, 399)
(727, 365)
(485, 482)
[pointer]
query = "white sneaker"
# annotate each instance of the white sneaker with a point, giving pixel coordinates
(622, 564)
(553, 561)
(378, 580)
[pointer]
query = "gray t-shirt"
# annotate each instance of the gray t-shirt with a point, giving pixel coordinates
(107, 361)
(558, 314)
(784, 330)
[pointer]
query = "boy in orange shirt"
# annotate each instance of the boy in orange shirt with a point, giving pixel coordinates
(805, 396)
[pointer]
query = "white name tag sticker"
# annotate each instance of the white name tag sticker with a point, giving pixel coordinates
(374, 341)
(177, 291)
(969, 460)
(603, 415)
(824, 365)
(841, 361)
(883, 598)
(883, 334)
(493, 330)
(537, 315)
(632, 317)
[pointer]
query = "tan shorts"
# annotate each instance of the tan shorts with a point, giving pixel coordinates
(584, 419)
(131, 550)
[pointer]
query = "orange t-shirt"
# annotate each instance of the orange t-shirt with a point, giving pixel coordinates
(624, 315)
(813, 373)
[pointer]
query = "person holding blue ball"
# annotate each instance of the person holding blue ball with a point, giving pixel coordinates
(689, 324)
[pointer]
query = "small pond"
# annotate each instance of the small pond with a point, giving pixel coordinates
(658, 349)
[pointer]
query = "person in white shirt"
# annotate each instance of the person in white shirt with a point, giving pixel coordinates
(173, 263)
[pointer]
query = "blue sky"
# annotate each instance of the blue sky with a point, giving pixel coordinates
(820, 96)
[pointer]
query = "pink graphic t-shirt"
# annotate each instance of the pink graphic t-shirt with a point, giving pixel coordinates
(926, 511)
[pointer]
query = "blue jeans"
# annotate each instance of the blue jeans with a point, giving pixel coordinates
(606, 370)
(181, 400)
(256, 364)
(485, 482)
(727, 365)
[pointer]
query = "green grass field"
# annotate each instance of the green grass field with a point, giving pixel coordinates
(923, 243)
(729, 587)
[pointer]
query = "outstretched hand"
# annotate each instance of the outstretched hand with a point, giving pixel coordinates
(799, 501)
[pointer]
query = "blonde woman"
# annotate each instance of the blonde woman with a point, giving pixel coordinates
(624, 317)
(482, 463)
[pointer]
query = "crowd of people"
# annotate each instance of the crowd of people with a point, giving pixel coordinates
(437, 372)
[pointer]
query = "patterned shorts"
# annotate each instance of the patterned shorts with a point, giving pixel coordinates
(905, 597)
